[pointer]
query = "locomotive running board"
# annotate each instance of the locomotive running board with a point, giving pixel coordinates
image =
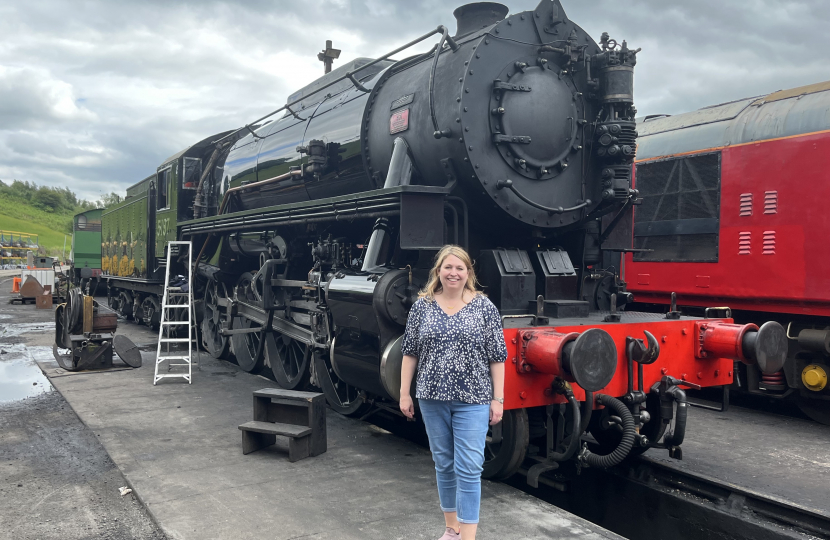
(367, 205)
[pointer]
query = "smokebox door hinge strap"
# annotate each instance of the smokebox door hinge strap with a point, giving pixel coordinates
(559, 210)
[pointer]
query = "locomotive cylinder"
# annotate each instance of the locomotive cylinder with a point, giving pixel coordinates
(588, 359)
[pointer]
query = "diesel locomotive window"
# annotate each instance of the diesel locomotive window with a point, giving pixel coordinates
(162, 194)
(680, 214)
(192, 172)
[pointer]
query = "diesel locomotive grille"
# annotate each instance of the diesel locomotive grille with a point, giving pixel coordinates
(680, 214)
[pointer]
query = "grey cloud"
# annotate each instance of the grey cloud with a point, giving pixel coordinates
(31, 97)
(95, 94)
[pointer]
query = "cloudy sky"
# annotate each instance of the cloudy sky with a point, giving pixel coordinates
(95, 94)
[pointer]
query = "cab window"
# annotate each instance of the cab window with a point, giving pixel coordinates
(163, 194)
(192, 173)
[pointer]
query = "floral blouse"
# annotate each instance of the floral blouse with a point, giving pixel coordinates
(454, 352)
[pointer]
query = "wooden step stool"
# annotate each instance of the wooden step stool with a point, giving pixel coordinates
(300, 416)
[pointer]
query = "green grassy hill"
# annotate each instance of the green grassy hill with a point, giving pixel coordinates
(42, 211)
(50, 240)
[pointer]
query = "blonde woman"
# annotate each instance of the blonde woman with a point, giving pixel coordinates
(454, 340)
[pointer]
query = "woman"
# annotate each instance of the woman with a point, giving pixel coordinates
(454, 338)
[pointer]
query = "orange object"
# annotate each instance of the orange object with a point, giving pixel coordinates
(16, 285)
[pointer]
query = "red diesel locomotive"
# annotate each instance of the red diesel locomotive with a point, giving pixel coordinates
(734, 214)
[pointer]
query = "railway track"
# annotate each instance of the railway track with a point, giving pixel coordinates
(649, 499)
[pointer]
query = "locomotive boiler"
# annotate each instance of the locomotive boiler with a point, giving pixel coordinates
(513, 137)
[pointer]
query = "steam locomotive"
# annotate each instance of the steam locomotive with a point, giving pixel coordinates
(725, 192)
(316, 226)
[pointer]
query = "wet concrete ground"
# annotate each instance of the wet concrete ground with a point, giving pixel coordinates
(783, 457)
(56, 479)
(179, 447)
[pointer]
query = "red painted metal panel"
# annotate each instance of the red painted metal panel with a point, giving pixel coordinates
(774, 257)
(678, 345)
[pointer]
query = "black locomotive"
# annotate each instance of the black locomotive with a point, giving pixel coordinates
(316, 226)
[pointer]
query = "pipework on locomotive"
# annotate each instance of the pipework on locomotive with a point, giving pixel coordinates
(514, 138)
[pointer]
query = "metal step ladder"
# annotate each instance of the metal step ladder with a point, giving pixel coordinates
(177, 310)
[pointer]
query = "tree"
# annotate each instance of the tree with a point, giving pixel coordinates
(109, 199)
(48, 199)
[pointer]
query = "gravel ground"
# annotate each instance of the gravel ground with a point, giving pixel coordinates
(56, 479)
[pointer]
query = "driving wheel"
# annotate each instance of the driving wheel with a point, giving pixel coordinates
(341, 397)
(288, 359)
(506, 445)
(212, 339)
(245, 345)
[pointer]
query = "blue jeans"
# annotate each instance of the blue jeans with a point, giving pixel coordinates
(457, 432)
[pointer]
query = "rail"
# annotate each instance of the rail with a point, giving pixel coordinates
(726, 496)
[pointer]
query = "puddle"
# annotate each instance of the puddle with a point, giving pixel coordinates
(10, 330)
(20, 378)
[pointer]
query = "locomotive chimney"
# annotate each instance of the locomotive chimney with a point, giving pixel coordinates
(472, 17)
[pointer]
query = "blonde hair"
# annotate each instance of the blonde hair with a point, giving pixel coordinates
(434, 286)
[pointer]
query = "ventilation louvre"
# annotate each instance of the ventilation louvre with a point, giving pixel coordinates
(746, 204)
(744, 243)
(771, 202)
(769, 243)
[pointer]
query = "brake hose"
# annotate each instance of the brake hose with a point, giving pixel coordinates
(627, 441)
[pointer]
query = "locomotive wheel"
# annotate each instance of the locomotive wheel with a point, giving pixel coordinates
(212, 339)
(113, 303)
(245, 346)
(817, 410)
(151, 312)
(125, 306)
(243, 288)
(609, 439)
(289, 360)
(506, 445)
(341, 397)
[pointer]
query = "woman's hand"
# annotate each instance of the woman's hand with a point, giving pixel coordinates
(407, 408)
(496, 412)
